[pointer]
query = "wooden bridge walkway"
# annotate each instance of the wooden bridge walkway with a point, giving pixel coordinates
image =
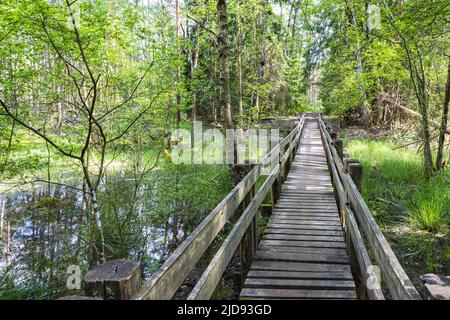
(321, 241)
(303, 254)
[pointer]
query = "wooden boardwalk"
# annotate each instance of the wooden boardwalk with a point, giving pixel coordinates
(303, 252)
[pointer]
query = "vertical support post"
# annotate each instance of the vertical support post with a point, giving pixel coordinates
(247, 245)
(355, 171)
(339, 146)
(276, 190)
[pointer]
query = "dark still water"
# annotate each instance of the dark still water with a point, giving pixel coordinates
(45, 229)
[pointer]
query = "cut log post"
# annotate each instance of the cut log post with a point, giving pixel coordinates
(355, 170)
(114, 280)
(437, 287)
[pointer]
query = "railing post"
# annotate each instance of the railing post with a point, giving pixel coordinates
(276, 187)
(355, 170)
(247, 246)
(339, 146)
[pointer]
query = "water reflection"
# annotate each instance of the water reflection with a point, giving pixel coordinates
(46, 228)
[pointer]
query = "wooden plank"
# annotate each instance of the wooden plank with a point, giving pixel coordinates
(304, 232)
(305, 215)
(297, 294)
(331, 251)
(306, 226)
(306, 206)
(306, 210)
(304, 238)
(299, 275)
(311, 284)
(296, 243)
(303, 218)
(301, 257)
(297, 266)
(308, 222)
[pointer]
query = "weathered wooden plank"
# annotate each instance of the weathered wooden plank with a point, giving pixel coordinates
(304, 238)
(301, 257)
(318, 203)
(297, 266)
(274, 283)
(306, 226)
(335, 251)
(297, 243)
(308, 222)
(306, 210)
(292, 214)
(299, 275)
(298, 294)
(306, 206)
(303, 218)
(303, 232)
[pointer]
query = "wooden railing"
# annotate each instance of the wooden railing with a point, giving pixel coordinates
(361, 230)
(244, 197)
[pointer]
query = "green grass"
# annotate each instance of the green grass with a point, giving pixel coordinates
(412, 210)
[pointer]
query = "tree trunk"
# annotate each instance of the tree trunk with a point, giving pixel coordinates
(225, 94)
(2, 216)
(194, 67)
(240, 80)
(362, 108)
(177, 97)
(444, 121)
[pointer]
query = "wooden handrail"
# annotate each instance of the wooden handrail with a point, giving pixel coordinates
(358, 217)
(165, 282)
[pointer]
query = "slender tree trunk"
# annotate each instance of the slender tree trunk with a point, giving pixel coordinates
(362, 108)
(444, 121)
(8, 149)
(194, 67)
(240, 88)
(225, 94)
(177, 97)
(2, 216)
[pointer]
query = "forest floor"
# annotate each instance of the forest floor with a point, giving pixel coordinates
(412, 211)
